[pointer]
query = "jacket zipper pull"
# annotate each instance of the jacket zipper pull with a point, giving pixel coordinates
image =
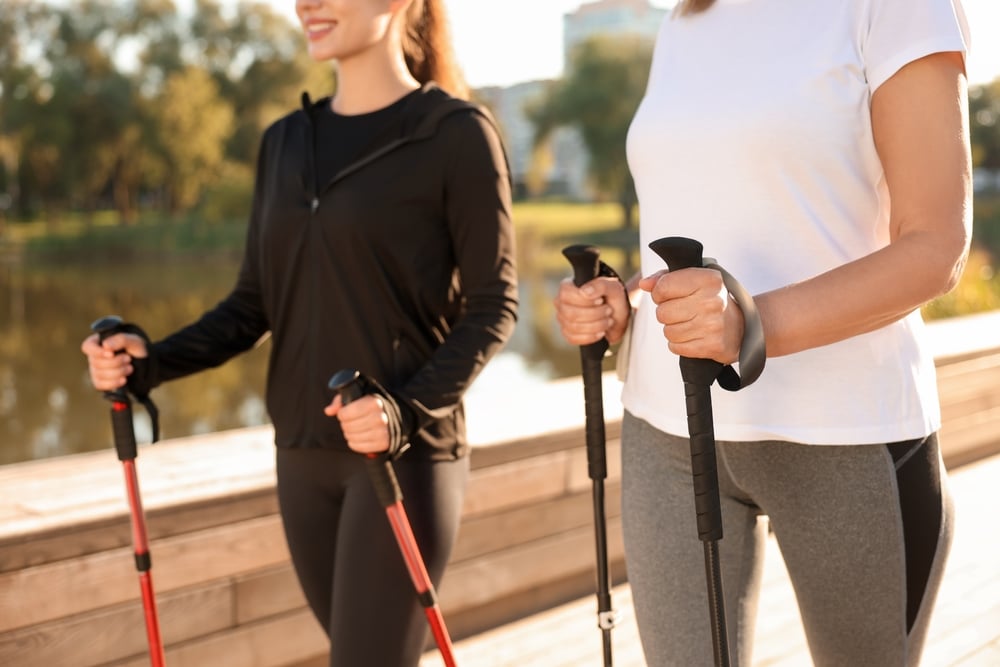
(315, 204)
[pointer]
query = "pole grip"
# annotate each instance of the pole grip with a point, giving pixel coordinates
(585, 260)
(347, 383)
(698, 375)
(121, 405)
(124, 433)
(104, 327)
(586, 263)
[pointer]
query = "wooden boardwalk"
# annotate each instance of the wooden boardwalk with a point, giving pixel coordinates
(965, 630)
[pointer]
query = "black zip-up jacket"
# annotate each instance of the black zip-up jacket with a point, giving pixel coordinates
(401, 267)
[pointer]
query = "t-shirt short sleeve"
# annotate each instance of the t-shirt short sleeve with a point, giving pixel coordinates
(901, 31)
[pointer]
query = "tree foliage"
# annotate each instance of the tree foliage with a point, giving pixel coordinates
(604, 84)
(129, 104)
(984, 121)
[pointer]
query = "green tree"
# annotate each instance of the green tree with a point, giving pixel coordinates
(984, 121)
(599, 95)
(193, 124)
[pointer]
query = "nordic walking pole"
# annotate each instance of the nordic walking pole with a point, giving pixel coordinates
(125, 446)
(698, 375)
(586, 267)
(347, 383)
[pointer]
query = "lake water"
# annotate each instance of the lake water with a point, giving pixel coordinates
(48, 407)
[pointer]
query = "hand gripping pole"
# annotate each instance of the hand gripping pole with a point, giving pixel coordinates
(347, 383)
(586, 266)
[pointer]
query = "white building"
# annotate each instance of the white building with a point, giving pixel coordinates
(565, 164)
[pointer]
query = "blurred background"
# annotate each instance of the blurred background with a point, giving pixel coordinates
(128, 134)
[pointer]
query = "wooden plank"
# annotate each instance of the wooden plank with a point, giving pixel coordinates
(517, 483)
(92, 536)
(65, 588)
(488, 533)
(65, 491)
(482, 580)
(117, 632)
(274, 642)
(267, 593)
(970, 439)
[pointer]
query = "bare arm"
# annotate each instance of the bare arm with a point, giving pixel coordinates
(919, 119)
(920, 126)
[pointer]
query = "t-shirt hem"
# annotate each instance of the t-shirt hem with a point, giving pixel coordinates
(852, 435)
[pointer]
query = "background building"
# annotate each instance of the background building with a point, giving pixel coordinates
(610, 17)
(561, 168)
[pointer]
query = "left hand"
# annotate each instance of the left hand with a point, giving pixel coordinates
(700, 320)
(364, 422)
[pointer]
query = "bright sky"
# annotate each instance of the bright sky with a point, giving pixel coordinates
(520, 40)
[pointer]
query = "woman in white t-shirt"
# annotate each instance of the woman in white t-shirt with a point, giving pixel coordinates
(820, 152)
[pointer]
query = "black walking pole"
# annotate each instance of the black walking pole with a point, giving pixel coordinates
(698, 375)
(586, 267)
(125, 446)
(347, 383)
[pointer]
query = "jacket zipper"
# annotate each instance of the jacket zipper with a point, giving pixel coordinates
(313, 179)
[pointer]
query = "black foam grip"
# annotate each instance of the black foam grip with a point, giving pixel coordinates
(701, 429)
(593, 401)
(383, 477)
(698, 375)
(585, 260)
(104, 327)
(124, 434)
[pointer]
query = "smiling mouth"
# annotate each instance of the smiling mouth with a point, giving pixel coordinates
(319, 29)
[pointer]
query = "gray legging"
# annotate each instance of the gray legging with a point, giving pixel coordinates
(864, 531)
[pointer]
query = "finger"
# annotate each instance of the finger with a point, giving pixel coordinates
(91, 345)
(364, 413)
(572, 295)
(130, 344)
(334, 407)
(646, 284)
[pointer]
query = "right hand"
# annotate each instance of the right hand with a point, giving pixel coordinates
(598, 309)
(110, 362)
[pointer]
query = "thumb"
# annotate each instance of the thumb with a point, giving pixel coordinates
(333, 408)
(649, 282)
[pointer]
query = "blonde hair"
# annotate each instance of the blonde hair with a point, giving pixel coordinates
(687, 7)
(428, 50)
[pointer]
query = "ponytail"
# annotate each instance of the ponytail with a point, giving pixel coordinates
(687, 7)
(428, 50)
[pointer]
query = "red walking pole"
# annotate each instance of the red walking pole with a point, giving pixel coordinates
(347, 384)
(125, 446)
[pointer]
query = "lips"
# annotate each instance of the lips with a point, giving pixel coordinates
(319, 29)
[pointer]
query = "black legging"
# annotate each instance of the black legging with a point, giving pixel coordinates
(347, 559)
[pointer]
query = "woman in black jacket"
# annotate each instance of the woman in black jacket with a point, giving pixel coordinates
(380, 240)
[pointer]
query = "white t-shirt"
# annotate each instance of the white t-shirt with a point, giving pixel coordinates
(754, 137)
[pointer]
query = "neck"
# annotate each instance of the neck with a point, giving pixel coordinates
(370, 81)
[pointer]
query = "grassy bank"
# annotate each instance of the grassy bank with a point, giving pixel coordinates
(543, 229)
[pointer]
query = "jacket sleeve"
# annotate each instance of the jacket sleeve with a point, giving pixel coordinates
(233, 326)
(478, 211)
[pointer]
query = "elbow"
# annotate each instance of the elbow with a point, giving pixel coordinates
(947, 263)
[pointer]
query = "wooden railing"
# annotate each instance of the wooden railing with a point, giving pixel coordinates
(225, 589)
